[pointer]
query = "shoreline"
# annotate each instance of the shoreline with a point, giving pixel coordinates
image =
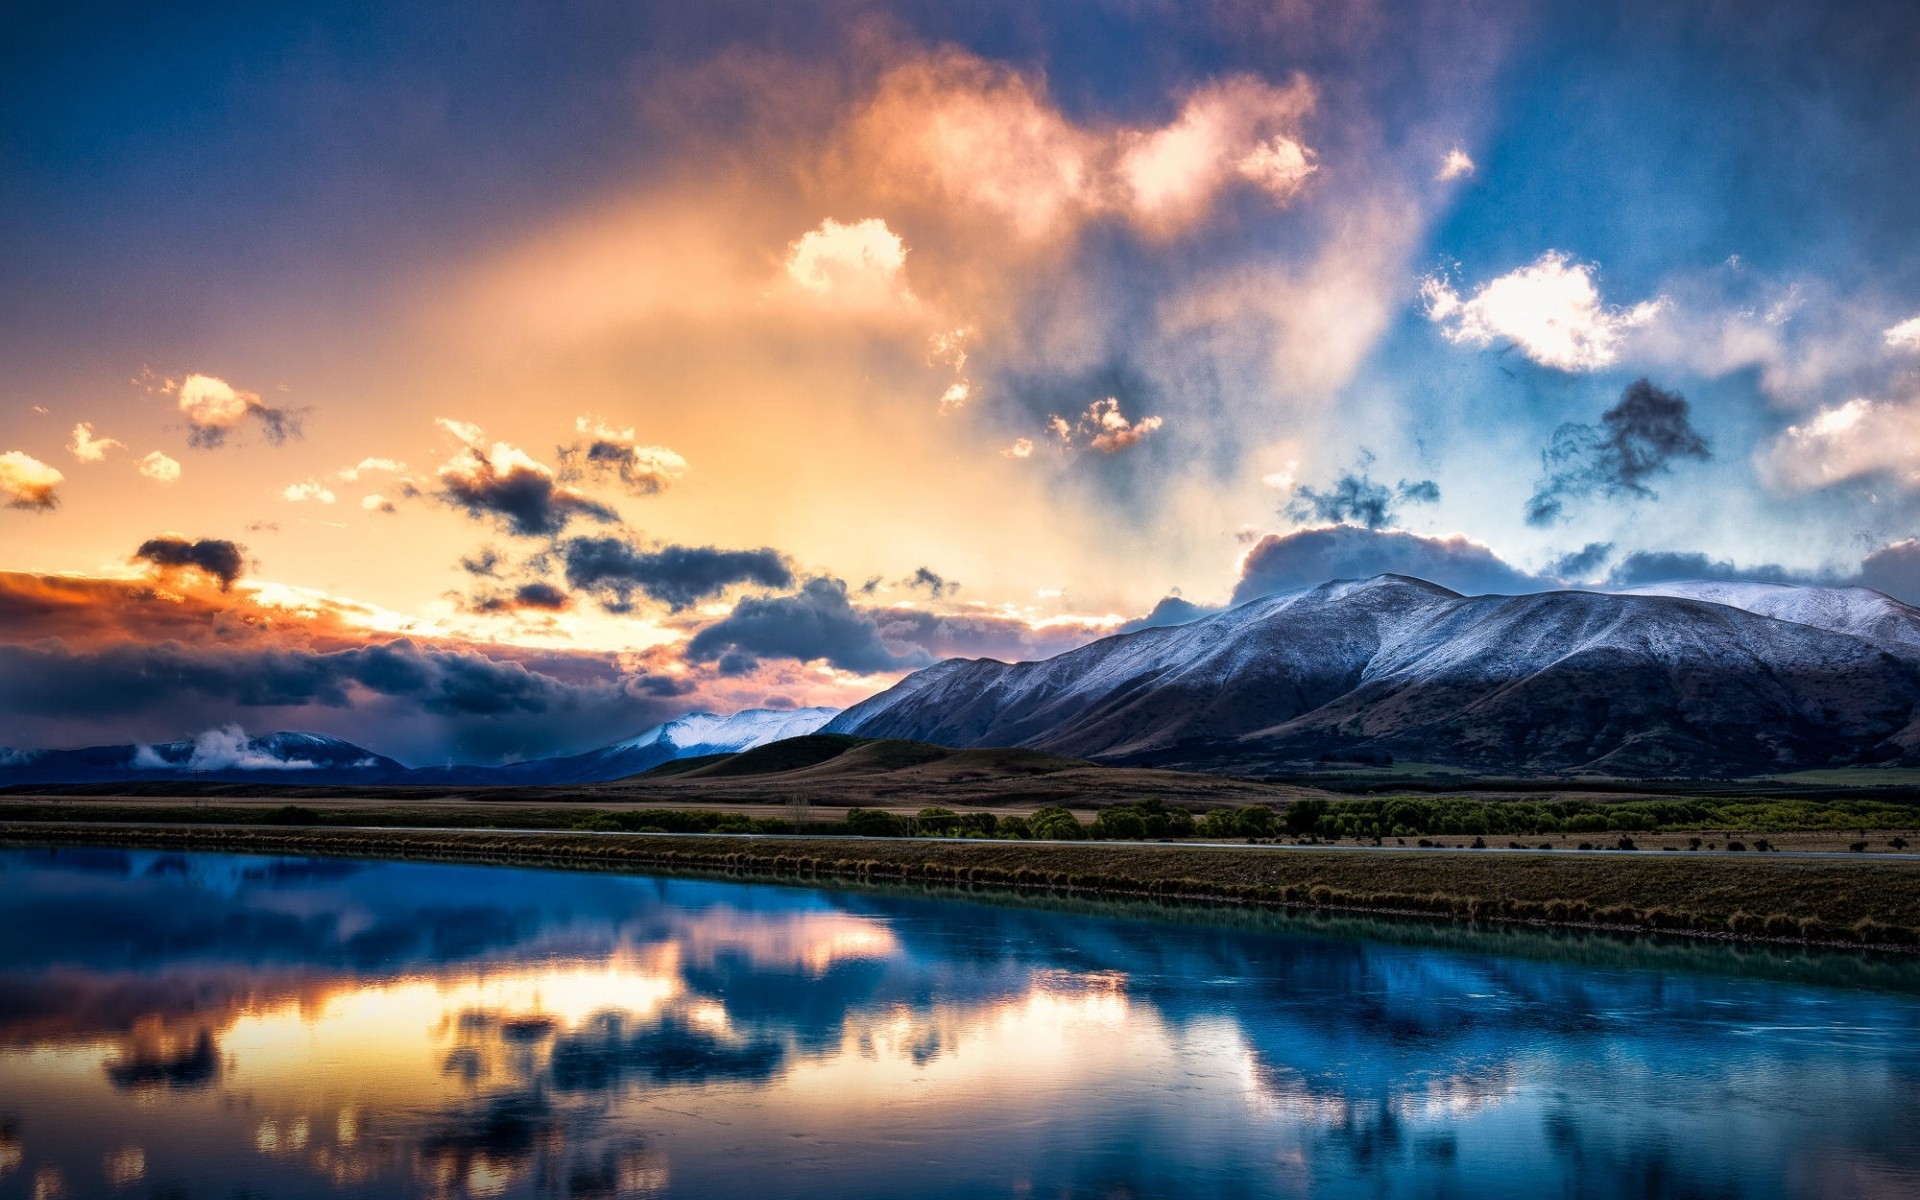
(1784, 900)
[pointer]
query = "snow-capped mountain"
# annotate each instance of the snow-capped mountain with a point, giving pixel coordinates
(1856, 611)
(1628, 684)
(218, 755)
(689, 736)
(229, 755)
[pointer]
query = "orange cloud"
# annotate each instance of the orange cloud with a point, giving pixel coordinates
(27, 483)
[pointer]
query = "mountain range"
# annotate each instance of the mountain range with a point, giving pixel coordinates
(1687, 679)
(229, 755)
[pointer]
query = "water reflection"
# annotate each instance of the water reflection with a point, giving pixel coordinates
(209, 1025)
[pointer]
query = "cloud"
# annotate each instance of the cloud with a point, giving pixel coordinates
(937, 585)
(126, 677)
(374, 502)
(214, 408)
(353, 473)
(484, 563)
(227, 748)
(1905, 335)
(677, 576)
(1665, 566)
(988, 141)
(1636, 439)
(503, 483)
(539, 596)
(160, 468)
(815, 624)
(1893, 569)
(644, 470)
(1860, 437)
(298, 492)
(1582, 563)
(215, 557)
(1021, 448)
(1171, 610)
(28, 483)
(1456, 165)
(87, 448)
(1356, 497)
(1310, 557)
(1550, 309)
(1227, 131)
(955, 397)
(862, 263)
(1103, 427)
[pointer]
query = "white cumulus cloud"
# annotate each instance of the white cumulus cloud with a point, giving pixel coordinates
(88, 448)
(861, 262)
(1860, 437)
(1550, 309)
(1456, 165)
(160, 468)
(309, 490)
(1905, 335)
(26, 482)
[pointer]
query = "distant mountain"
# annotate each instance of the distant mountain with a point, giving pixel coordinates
(229, 755)
(221, 755)
(1705, 679)
(692, 736)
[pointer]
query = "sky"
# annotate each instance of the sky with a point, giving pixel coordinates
(478, 381)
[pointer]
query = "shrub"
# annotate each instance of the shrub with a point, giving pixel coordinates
(874, 822)
(1780, 925)
(1857, 847)
(597, 823)
(1055, 824)
(1257, 820)
(936, 822)
(1014, 827)
(293, 814)
(1302, 816)
(1119, 824)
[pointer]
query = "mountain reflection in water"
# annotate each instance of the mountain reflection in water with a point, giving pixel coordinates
(208, 1025)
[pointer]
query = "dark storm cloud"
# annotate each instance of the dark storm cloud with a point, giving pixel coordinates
(277, 425)
(937, 585)
(50, 679)
(1894, 570)
(215, 557)
(1359, 499)
(527, 500)
(538, 596)
(677, 576)
(613, 453)
(1283, 562)
(1673, 567)
(1172, 610)
(485, 563)
(818, 623)
(1582, 563)
(1636, 439)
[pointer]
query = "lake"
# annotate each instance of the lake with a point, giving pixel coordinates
(223, 1025)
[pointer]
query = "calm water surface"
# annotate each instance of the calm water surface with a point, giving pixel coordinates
(224, 1025)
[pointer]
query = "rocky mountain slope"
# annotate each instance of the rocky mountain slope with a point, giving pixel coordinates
(1685, 682)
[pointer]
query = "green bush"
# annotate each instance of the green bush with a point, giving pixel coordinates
(1119, 824)
(1055, 824)
(875, 822)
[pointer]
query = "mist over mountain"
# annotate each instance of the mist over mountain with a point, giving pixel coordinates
(1697, 679)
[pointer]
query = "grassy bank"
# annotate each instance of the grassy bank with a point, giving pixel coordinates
(1865, 902)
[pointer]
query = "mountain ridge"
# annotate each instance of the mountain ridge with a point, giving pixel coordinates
(1546, 683)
